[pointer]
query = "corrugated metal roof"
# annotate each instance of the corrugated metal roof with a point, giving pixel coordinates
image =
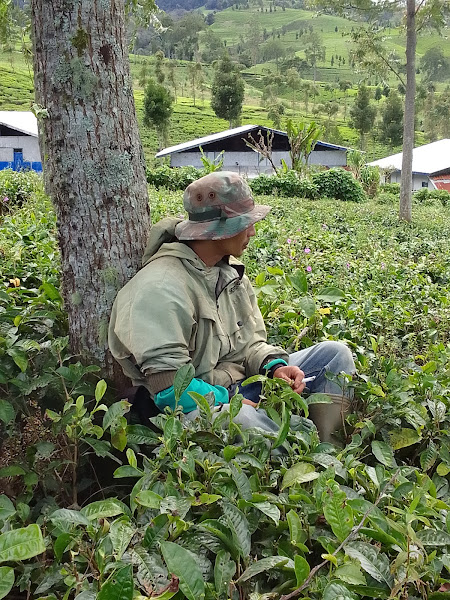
(442, 182)
(222, 135)
(427, 159)
(22, 121)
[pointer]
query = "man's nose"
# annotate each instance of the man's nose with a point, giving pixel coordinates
(251, 231)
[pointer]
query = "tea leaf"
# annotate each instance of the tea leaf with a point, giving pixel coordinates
(260, 566)
(6, 581)
(299, 473)
(383, 453)
(21, 544)
(183, 564)
(183, 378)
(301, 568)
(224, 570)
(119, 585)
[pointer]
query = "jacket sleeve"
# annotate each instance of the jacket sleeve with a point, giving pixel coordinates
(259, 351)
(153, 324)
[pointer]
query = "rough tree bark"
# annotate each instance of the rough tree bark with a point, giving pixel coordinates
(93, 160)
(408, 118)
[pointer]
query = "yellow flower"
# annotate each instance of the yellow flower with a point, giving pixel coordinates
(325, 311)
(15, 282)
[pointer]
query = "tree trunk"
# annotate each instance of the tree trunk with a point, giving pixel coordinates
(408, 120)
(93, 160)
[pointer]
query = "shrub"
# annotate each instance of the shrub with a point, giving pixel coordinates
(173, 179)
(286, 184)
(16, 187)
(391, 188)
(339, 184)
(426, 196)
(386, 198)
(370, 180)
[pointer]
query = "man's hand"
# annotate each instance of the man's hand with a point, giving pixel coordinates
(245, 401)
(293, 375)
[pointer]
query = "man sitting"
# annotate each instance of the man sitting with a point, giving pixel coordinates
(192, 303)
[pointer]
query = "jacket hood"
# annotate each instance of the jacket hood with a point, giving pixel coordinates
(162, 232)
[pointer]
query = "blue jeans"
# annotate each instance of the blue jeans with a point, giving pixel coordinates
(325, 357)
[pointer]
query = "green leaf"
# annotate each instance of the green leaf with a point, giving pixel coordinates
(103, 509)
(260, 566)
(350, 573)
(156, 531)
(140, 434)
(235, 405)
(114, 412)
(383, 452)
(242, 482)
(6, 581)
(284, 429)
(402, 438)
(201, 402)
(19, 357)
(61, 544)
(330, 294)
(183, 564)
(148, 499)
(301, 568)
(433, 537)
(174, 505)
(238, 524)
(183, 378)
(172, 432)
(337, 513)
(428, 456)
(295, 527)
(100, 390)
(127, 471)
(299, 473)
(65, 517)
(7, 412)
(271, 510)
(21, 544)
(12, 471)
(337, 591)
(319, 398)
(373, 562)
(121, 534)
(6, 508)
(299, 281)
(224, 570)
(307, 306)
(119, 585)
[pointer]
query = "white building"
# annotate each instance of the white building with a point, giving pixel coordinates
(19, 146)
(242, 159)
(431, 163)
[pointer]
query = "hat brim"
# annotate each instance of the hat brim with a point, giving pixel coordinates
(220, 229)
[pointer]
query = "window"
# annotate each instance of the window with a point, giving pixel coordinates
(424, 183)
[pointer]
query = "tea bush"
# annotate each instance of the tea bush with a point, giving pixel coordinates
(173, 179)
(16, 187)
(339, 184)
(285, 184)
(390, 188)
(202, 510)
(426, 196)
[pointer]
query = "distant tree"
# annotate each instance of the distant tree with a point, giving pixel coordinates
(172, 65)
(314, 51)
(363, 114)
(158, 110)
(159, 67)
(275, 113)
(378, 94)
(195, 75)
(227, 91)
(274, 50)
(294, 83)
(392, 119)
(435, 65)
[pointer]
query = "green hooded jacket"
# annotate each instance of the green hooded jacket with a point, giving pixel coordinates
(177, 310)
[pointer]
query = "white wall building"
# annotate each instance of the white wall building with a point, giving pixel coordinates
(242, 159)
(429, 161)
(19, 146)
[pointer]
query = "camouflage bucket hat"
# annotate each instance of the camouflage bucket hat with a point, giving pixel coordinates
(220, 205)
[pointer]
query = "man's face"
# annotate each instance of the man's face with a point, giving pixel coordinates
(236, 245)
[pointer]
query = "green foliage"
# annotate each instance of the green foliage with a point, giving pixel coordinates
(390, 188)
(173, 179)
(16, 187)
(227, 91)
(427, 196)
(157, 108)
(392, 119)
(286, 184)
(302, 141)
(339, 184)
(362, 112)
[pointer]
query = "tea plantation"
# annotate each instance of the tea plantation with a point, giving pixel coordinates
(95, 507)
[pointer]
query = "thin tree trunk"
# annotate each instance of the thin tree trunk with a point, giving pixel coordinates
(408, 120)
(93, 160)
